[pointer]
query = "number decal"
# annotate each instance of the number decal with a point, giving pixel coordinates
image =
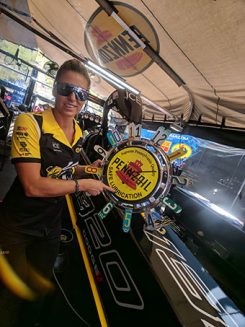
(161, 134)
(113, 137)
(116, 135)
(127, 220)
(122, 286)
(105, 211)
(180, 180)
(134, 131)
(100, 150)
(171, 204)
(92, 170)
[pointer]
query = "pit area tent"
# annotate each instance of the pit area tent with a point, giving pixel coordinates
(185, 57)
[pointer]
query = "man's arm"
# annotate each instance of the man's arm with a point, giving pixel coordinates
(37, 186)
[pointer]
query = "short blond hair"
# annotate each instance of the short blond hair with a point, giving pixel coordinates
(73, 65)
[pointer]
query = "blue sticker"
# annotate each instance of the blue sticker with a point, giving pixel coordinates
(127, 220)
(111, 138)
(106, 210)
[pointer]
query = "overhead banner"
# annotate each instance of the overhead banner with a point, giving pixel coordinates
(113, 47)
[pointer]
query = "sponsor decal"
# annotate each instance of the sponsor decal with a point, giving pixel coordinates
(63, 173)
(22, 135)
(23, 144)
(166, 146)
(199, 296)
(22, 128)
(133, 173)
(113, 47)
(174, 142)
(24, 151)
(108, 264)
(54, 171)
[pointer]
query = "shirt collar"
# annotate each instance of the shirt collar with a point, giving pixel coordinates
(50, 126)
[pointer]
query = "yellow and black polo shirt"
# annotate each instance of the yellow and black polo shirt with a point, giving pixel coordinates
(39, 138)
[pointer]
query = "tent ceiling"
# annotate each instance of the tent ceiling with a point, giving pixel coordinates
(201, 40)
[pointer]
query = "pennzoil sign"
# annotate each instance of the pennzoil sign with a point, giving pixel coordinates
(113, 47)
(133, 173)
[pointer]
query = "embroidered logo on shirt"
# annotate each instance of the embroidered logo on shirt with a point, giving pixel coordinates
(56, 147)
(78, 150)
(23, 149)
(21, 128)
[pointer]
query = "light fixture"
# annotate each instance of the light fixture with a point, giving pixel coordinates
(110, 77)
(104, 77)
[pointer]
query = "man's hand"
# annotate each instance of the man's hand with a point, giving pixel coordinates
(97, 163)
(93, 186)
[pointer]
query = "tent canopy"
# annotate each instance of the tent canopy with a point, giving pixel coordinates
(184, 56)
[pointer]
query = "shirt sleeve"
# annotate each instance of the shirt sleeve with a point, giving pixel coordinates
(25, 140)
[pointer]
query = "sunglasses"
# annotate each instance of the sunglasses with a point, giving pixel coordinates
(65, 89)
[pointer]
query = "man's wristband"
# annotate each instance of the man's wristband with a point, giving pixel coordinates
(77, 188)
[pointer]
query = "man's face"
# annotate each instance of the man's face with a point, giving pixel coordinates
(69, 105)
